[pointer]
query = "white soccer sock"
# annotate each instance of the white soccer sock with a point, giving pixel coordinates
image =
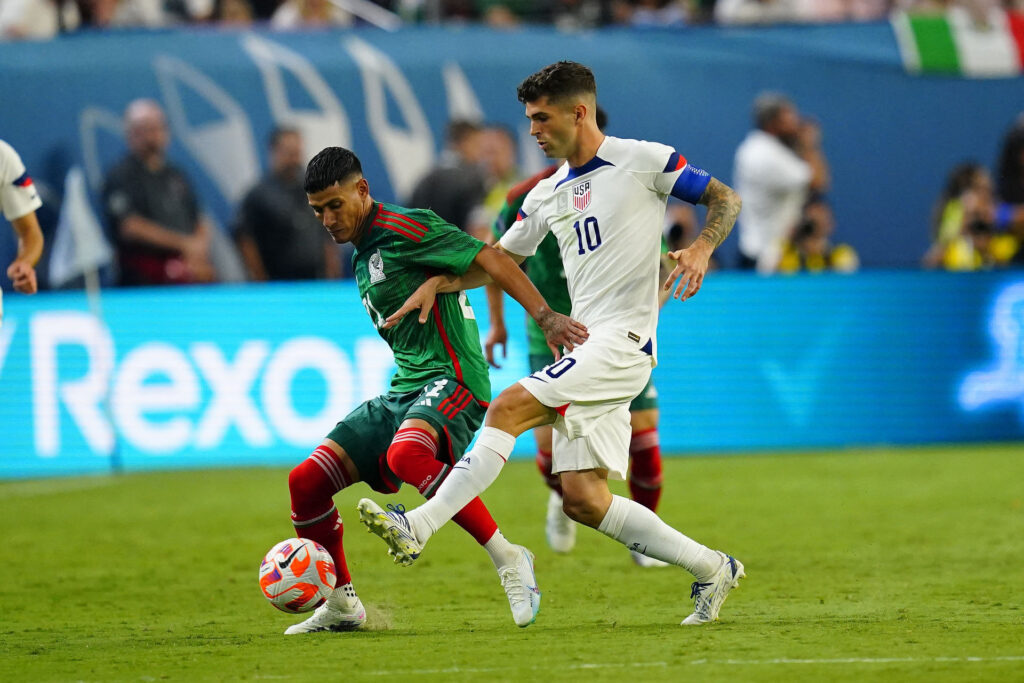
(468, 479)
(639, 529)
(501, 551)
(343, 596)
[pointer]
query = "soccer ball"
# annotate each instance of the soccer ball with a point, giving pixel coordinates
(297, 575)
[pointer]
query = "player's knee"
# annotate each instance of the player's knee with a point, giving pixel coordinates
(305, 481)
(409, 451)
(582, 507)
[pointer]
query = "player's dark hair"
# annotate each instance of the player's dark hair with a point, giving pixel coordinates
(558, 82)
(279, 132)
(331, 165)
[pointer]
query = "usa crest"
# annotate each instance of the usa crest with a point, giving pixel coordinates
(376, 265)
(581, 196)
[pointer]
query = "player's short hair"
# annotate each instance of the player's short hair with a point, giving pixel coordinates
(331, 165)
(558, 82)
(768, 106)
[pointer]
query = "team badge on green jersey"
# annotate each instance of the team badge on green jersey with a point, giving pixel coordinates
(376, 266)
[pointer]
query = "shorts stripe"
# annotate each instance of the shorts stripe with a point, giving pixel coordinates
(454, 398)
(454, 409)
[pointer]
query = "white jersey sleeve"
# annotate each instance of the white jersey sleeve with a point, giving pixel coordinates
(665, 171)
(18, 196)
(529, 229)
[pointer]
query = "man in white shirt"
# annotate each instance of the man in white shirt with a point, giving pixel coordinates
(19, 201)
(606, 207)
(777, 166)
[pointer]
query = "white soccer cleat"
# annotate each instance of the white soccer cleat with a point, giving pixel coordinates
(709, 596)
(559, 529)
(341, 612)
(393, 528)
(642, 560)
(520, 584)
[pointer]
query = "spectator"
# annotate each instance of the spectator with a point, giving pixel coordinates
(233, 13)
(18, 203)
(755, 11)
(811, 249)
(1011, 164)
(292, 14)
(456, 186)
(965, 235)
(278, 235)
(498, 162)
(152, 209)
(777, 166)
(36, 19)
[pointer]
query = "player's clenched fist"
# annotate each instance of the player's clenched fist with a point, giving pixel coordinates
(23, 276)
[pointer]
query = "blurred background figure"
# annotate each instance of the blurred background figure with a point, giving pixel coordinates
(292, 14)
(776, 168)
(37, 19)
(456, 186)
(18, 203)
(811, 249)
(965, 233)
(152, 209)
(233, 13)
(500, 173)
(277, 233)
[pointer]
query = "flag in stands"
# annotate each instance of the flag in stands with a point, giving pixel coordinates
(985, 44)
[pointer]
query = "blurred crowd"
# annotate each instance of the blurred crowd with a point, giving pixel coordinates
(42, 19)
(978, 221)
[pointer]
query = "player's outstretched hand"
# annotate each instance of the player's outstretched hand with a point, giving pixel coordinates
(23, 276)
(561, 330)
(496, 336)
(691, 266)
(422, 299)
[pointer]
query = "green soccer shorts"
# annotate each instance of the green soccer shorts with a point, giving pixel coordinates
(367, 431)
(645, 400)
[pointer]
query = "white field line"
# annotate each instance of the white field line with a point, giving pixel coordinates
(708, 662)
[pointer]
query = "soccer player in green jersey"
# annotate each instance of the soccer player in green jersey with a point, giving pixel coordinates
(419, 429)
(545, 270)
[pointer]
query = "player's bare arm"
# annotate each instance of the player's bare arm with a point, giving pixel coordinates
(692, 262)
(501, 267)
(22, 272)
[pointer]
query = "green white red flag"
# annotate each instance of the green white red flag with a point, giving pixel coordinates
(957, 42)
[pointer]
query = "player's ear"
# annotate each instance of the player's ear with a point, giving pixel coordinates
(362, 187)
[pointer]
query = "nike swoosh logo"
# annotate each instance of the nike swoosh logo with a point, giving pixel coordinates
(288, 560)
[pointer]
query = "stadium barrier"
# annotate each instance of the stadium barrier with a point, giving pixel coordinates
(890, 137)
(257, 374)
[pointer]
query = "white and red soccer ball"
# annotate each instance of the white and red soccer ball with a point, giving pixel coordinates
(297, 575)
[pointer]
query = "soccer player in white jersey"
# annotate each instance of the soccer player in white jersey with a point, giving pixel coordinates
(19, 201)
(605, 206)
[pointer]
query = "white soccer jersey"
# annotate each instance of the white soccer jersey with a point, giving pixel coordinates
(607, 216)
(18, 195)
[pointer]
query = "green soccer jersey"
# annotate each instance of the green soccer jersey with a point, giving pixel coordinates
(399, 251)
(544, 268)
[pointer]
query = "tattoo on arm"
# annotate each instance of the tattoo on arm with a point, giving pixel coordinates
(723, 206)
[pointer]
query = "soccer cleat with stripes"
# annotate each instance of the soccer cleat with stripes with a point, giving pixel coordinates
(709, 596)
(520, 584)
(393, 528)
(343, 611)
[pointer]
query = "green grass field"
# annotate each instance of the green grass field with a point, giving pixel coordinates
(862, 565)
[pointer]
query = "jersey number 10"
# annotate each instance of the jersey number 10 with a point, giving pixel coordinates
(592, 232)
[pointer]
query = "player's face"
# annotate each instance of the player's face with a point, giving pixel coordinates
(342, 208)
(554, 125)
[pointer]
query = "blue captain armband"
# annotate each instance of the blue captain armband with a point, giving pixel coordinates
(691, 183)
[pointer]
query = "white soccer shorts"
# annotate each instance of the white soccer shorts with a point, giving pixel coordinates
(590, 389)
